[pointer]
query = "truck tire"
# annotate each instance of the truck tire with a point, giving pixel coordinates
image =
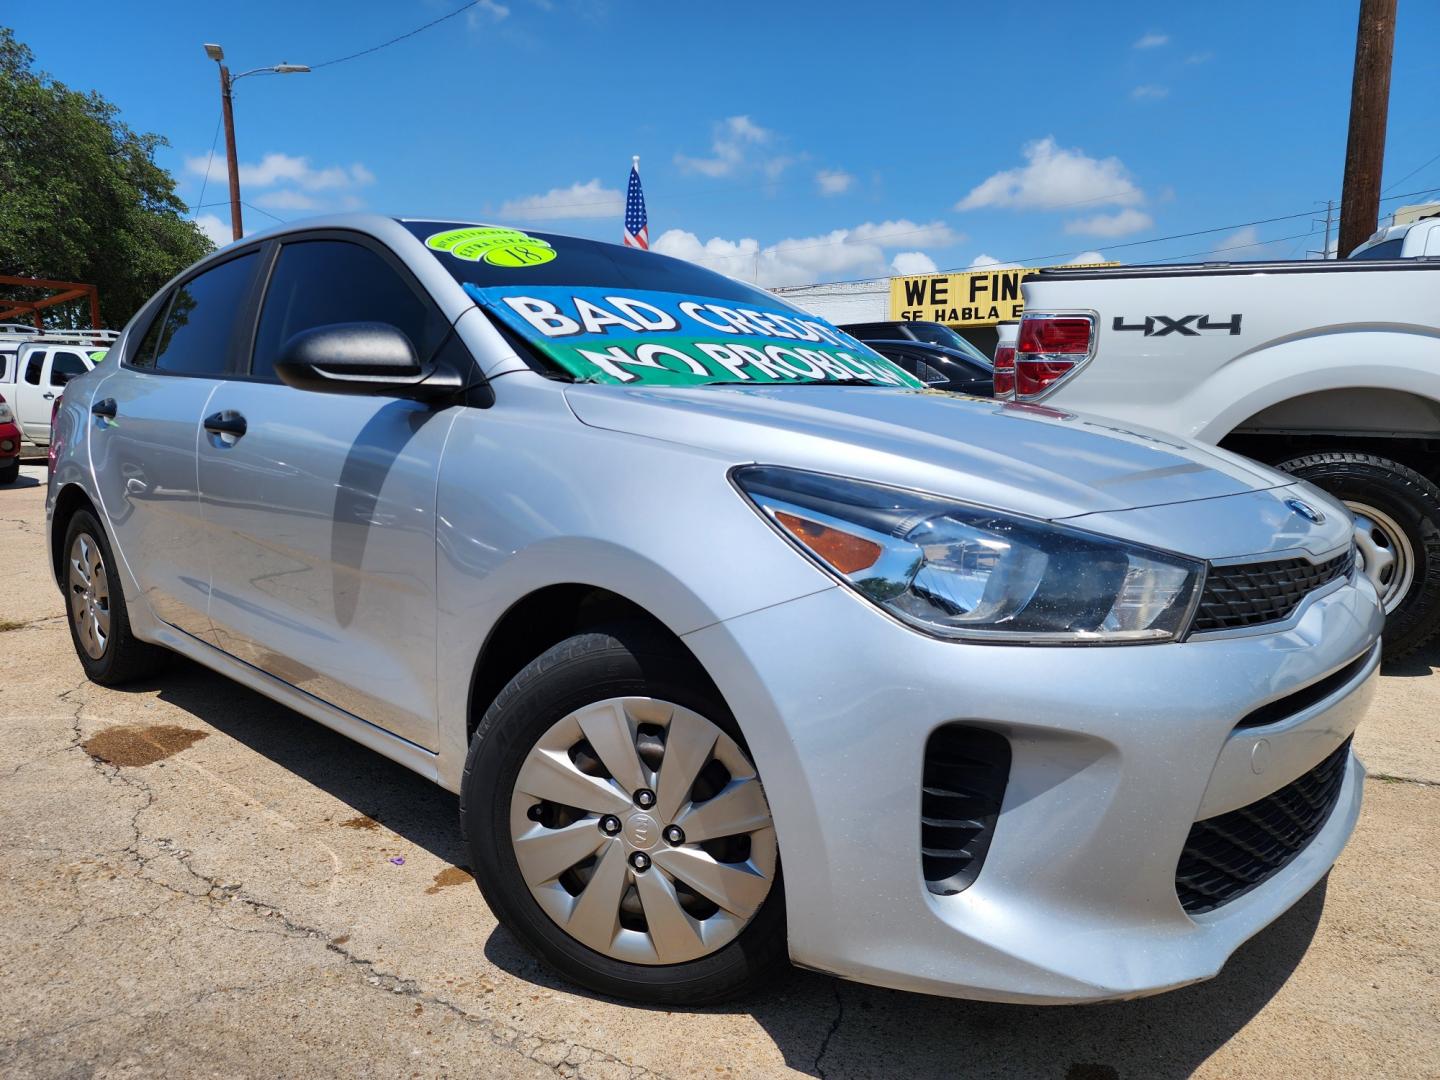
(1405, 508)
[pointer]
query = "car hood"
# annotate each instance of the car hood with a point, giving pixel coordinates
(1023, 458)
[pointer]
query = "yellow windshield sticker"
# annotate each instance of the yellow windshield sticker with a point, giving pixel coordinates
(498, 247)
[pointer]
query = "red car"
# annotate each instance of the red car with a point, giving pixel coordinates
(9, 445)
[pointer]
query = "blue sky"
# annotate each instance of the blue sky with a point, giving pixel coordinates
(787, 143)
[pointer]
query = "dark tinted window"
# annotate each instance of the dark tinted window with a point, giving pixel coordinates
(66, 366)
(33, 367)
(1390, 249)
(144, 354)
(196, 336)
(318, 282)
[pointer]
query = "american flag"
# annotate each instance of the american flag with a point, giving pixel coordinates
(637, 225)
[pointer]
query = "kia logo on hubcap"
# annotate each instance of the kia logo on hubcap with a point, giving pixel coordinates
(1305, 510)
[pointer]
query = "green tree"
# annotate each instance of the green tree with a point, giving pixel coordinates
(81, 198)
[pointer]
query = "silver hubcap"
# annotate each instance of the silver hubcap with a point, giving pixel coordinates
(89, 596)
(642, 830)
(1386, 555)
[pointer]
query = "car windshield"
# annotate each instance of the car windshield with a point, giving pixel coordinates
(604, 313)
(940, 334)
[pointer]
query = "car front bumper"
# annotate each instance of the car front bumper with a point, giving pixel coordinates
(1116, 752)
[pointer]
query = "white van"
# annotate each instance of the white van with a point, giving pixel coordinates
(34, 374)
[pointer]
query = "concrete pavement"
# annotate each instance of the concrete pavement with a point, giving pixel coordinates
(196, 881)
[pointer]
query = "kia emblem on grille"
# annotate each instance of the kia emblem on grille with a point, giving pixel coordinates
(1305, 510)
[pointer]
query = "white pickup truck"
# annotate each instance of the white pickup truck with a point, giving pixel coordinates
(1327, 370)
(35, 369)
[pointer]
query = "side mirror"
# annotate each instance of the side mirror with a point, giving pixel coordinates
(360, 358)
(60, 378)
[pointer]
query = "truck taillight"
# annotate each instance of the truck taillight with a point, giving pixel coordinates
(1049, 349)
(1004, 371)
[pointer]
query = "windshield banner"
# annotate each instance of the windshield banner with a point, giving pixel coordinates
(635, 337)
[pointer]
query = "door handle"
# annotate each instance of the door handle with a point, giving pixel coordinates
(104, 408)
(48, 396)
(225, 423)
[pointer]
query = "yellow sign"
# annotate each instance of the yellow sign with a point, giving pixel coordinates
(976, 298)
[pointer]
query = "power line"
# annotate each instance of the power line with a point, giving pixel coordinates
(210, 158)
(1080, 251)
(395, 40)
(1412, 172)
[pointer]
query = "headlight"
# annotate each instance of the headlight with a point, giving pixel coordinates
(970, 572)
(5, 414)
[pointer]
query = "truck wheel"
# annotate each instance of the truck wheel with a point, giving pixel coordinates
(1405, 509)
(10, 471)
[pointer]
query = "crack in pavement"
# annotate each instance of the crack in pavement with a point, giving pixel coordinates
(564, 1056)
(815, 1065)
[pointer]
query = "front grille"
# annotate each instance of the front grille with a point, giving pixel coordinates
(966, 770)
(1229, 855)
(1249, 594)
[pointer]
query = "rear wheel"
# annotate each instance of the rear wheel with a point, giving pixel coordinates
(618, 827)
(95, 605)
(1404, 509)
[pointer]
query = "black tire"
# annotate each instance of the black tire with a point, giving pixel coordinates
(10, 472)
(622, 660)
(1413, 503)
(125, 657)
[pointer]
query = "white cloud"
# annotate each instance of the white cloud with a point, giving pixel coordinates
(913, 262)
(987, 262)
(1150, 92)
(490, 10)
(1240, 239)
(275, 169)
(804, 260)
(587, 200)
(735, 138)
(1084, 258)
(1152, 40)
(287, 182)
(1054, 177)
(1120, 223)
(833, 181)
(1200, 58)
(218, 231)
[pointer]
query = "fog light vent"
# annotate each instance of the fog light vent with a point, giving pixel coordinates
(966, 770)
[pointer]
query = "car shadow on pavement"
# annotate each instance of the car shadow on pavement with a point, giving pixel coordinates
(376, 787)
(825, 1027)
(1423, 661)
(21, 481)
(821, 1026)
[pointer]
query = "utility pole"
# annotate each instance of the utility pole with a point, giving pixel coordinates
(1324, 252)
(216, 53)
(237, 229)
(1369, 106)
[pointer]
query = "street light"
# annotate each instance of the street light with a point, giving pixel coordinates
(216, 53)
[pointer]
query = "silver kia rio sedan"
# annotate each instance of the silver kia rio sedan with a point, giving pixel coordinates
(736, 644)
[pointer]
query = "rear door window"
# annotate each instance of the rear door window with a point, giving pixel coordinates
(196, 336)
(34, 364)
(322, 282)
(66, 366)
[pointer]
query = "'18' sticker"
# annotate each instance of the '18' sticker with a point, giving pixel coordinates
(498, 247)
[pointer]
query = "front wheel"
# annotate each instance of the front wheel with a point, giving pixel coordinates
(1404, 509)
(10, 471)
(618, 827)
